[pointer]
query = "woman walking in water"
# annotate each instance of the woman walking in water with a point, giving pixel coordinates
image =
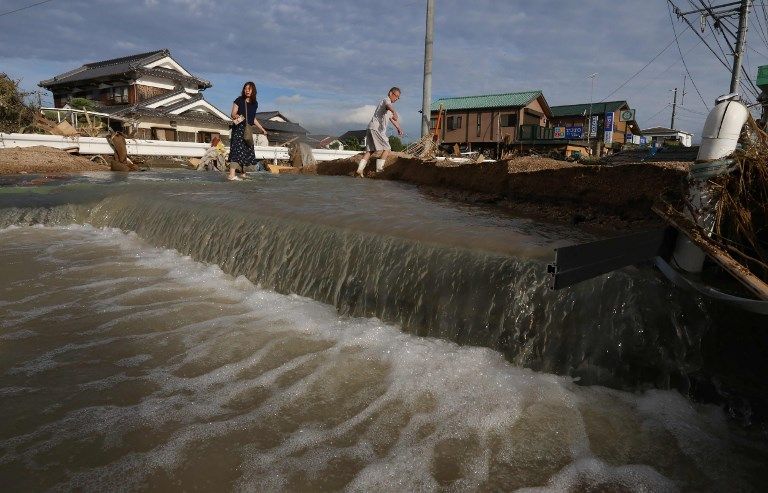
(243, 113)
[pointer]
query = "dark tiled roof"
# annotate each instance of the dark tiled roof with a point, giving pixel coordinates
(172, 74)
(662, 130)
(181, 103)
(286, 127)
(161, 97)
(583, 108)
(266, 115)
(319, 141)
(121, 66)
(353, 134)
(143, 109)
(192, 116)
(114, 66)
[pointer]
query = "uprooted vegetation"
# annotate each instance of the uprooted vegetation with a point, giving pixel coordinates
(15, 113)
(741, 218)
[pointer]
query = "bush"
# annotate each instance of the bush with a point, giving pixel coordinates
(14, 113)
(82, 104)
(395, 143)
(353, 144)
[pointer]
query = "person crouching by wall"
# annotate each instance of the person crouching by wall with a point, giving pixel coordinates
(214, 157)
(241, 154)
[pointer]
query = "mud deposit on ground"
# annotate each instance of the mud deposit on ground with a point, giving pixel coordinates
(606, 197)
(41, 159)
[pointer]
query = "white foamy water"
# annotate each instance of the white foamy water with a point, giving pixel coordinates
(128, 367)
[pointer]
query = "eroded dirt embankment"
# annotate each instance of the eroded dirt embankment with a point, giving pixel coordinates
(607, 197)
(42, 159)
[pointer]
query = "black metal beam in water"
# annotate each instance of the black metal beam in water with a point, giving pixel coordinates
(577, 263)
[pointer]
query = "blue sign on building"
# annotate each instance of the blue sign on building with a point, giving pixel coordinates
(643, 141)
(574, 132)
(608, 129)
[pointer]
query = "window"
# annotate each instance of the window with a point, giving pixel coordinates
(118, 95)
(186, 136)
(454, 122)
(478, 124)
(206, 137)
(509, 120)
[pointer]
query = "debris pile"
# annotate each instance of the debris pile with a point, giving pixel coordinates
(741, 217)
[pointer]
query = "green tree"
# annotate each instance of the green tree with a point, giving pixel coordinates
(14, 113)
(395, 143)
(353, 144)
(82, 104)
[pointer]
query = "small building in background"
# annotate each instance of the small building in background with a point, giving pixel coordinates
(605, 126)
(354, 137)
(656, 136)
(150, 92)
(321, 141)
(281, 129)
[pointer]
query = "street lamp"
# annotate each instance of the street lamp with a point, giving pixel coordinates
(589, 120)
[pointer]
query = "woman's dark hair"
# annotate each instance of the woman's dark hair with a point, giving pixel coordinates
(253, 88)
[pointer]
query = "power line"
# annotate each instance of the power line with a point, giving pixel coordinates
(720, 25)
(682, 58)
(691, 111)
(638, 72)
(658, 112)
(699, 35)
(24, 8)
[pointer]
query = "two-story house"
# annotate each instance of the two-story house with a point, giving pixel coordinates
(608, 124)
(151, 91)
(483, 123)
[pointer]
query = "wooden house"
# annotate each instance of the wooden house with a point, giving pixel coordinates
(487, 122)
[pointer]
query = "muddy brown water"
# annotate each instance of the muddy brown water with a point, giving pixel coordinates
(169, 331)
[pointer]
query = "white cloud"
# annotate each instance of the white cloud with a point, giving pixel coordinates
(361, 115)
(301, 48)
(288, 100)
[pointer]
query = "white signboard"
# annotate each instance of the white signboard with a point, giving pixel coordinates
(593, 127)
(559, 132)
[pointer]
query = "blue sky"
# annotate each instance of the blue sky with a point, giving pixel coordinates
(325, 64)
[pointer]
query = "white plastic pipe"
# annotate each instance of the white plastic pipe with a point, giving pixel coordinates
(718, 140)
(722, 129)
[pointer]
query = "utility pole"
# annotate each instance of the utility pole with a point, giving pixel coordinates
(426, 96)
(682, 95)
(674, 107)
(740, 40)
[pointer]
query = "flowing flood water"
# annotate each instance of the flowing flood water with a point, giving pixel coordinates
(168, 331)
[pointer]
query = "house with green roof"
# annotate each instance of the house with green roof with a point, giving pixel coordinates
(487, 121)
(573, 120)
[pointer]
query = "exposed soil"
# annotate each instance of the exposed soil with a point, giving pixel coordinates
(600, 197)
(41, 160)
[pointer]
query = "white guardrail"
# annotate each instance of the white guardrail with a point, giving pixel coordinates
(137, 147)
